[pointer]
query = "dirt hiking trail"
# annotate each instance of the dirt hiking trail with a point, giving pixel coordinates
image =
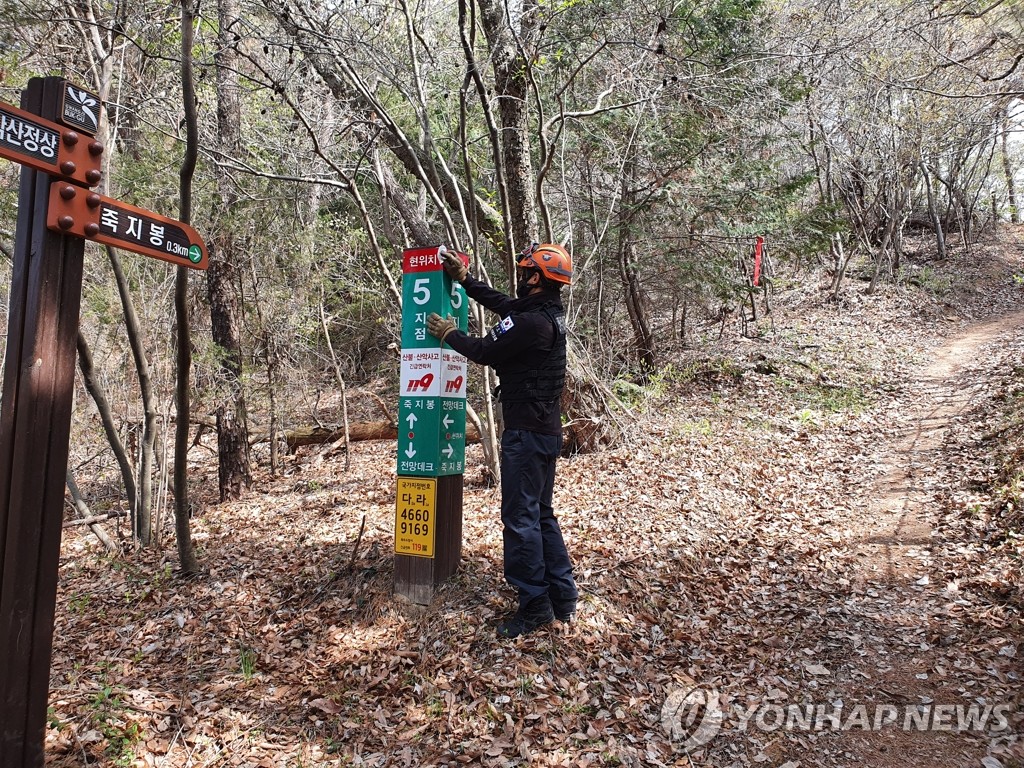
(899, 522)
(895, 556)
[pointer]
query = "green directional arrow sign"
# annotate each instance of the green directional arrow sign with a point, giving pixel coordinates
(419, 420)
(452, 436)
(432, 413)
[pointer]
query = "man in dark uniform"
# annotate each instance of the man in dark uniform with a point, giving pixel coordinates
(527, 349)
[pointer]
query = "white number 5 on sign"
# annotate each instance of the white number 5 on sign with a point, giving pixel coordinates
(421, 290)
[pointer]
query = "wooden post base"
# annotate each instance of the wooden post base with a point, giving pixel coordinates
(416, 578)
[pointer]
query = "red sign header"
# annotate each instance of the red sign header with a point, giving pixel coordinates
(426, 259)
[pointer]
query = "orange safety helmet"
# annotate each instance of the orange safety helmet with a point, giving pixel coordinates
(551, 260)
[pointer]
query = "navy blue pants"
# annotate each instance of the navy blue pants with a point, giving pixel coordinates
(536, 560)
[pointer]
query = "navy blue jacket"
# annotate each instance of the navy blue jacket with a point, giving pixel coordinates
(521, 341)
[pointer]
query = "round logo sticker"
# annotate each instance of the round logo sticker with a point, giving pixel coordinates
(195, 254)
(691, 717)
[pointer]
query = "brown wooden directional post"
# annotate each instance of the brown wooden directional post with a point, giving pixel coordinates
(35, 423)
(55, 211)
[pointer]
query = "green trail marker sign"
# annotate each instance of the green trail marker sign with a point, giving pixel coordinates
(431, 429)
(432, 387)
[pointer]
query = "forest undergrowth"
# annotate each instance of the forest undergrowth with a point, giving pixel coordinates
(717, 548)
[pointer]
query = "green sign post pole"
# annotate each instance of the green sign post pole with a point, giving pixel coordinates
(431, 430)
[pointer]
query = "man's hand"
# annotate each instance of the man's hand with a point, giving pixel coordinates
(440, 327)
(454, 267)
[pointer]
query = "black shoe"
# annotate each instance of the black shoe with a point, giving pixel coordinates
(564, 610)
(530, 616)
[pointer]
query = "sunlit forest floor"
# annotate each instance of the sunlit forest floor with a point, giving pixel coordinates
(806, 551)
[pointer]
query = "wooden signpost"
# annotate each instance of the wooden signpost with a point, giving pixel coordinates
(44, 136)
(431, 431)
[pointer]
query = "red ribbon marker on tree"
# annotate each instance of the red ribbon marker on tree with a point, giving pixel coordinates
(758, 248)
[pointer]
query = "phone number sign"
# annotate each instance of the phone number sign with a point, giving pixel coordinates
(415, 516)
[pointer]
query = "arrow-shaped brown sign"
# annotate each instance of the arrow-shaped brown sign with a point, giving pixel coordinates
(46, 146)
(76, 211)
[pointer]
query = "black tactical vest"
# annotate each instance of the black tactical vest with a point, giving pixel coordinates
(544, 382)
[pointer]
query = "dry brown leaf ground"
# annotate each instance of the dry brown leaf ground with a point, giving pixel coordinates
(802, 524)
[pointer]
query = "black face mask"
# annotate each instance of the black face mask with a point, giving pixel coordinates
(522, 284)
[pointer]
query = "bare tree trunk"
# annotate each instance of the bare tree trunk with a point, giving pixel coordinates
(272, 365)
(635, 306)
(92, 386)
(492, 456)
(489, 430)
(1011, 185)
(391, 190)
(83, 510)
(467, 32)
(902, 207)
(883, 252)
(957, 206)
(591, 424)
(840, 261)
(143, 520)
(102, 46)
(183, 362)
(341, 385)
(933, 214)
(330, 58)
(221, 278)
(628, 274)
(272, 362)
(511, 86)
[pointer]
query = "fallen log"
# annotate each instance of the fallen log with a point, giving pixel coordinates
(365, 430)
(92, 520)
